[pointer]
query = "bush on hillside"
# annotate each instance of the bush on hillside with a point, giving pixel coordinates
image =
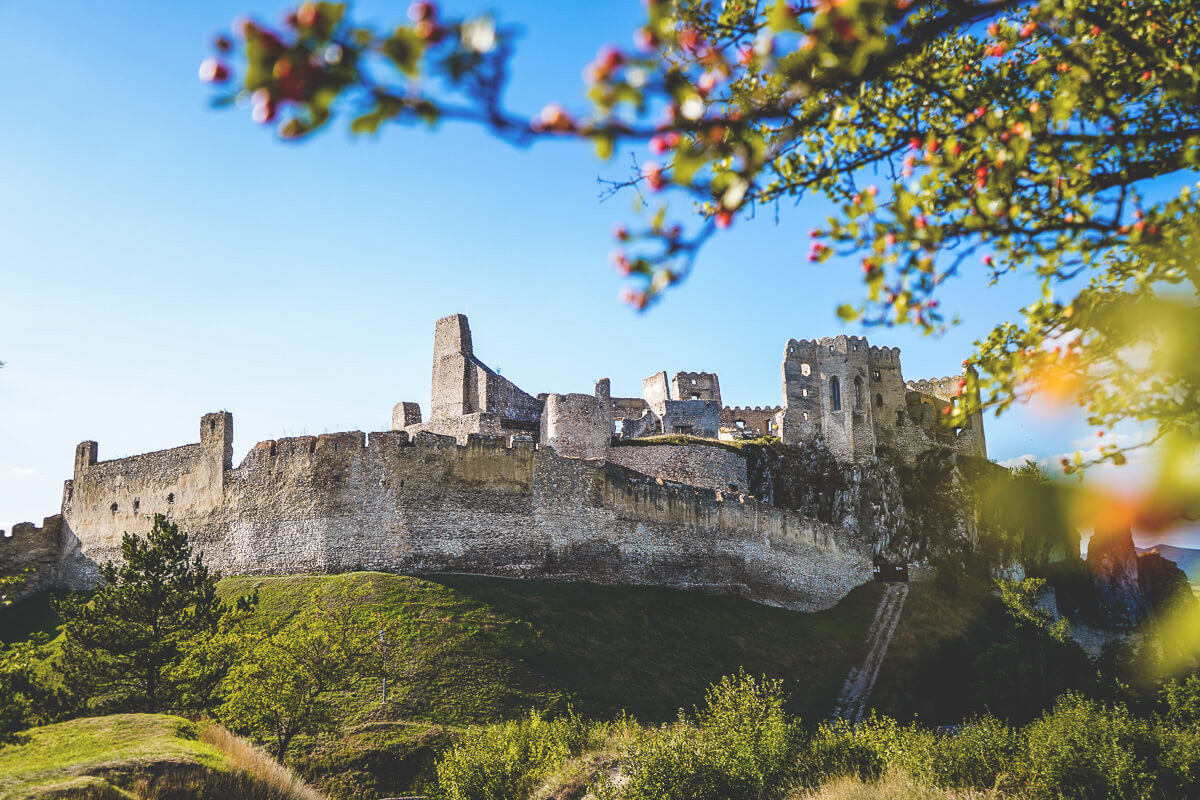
(1084, 749)
(740, 744)
(507, 760)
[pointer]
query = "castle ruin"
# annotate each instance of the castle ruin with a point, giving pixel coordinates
(842, 390)
(501, 482)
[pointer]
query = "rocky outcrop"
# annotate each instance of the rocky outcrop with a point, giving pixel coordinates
(1128, 588)
(1113, 561)
(1162, 582)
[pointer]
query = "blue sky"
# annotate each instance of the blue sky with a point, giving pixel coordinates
(161, 259)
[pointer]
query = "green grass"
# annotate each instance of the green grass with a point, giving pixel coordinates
(480, 649)
(142, 757)
(80, 753)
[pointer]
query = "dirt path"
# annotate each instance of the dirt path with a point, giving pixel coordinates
(852, 703)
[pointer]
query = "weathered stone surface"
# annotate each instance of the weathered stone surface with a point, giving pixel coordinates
(1114, 565)
(706, 466)
(47, 556)
(1162, 582)
(336, 502)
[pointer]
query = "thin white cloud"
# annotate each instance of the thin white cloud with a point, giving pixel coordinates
(1018, 461)
(24, 471)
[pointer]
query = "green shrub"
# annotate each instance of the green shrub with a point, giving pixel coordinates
(980, 755)
(1083, 749)
(507, 760)
(839, 749)
(1177, 759)
(741, 744)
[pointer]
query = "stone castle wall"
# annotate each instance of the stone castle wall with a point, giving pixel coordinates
(702, 465)
(427, 504)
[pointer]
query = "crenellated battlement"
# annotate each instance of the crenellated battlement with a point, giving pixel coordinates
(733, 411)
(942, 388)
(884, 356)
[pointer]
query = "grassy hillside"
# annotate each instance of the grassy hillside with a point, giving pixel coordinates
(480, 648)
(144, 756)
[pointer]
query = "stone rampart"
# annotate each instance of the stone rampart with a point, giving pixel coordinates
(427, 504)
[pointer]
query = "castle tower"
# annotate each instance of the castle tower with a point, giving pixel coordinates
(827, 392)
(455, 388)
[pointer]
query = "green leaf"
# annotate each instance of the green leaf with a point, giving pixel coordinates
(847, 312)
(404, 48)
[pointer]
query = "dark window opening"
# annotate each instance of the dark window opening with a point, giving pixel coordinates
(835, 394)
(875, 376)
(899, 418)
(136, 505)
(113, 508)
(858, 393)
(170, 498)
(879, 401)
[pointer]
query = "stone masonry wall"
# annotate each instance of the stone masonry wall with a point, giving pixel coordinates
(760, 420)
(344, 501)
(705, 466)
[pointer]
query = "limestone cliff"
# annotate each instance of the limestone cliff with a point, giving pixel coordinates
(1113, 562)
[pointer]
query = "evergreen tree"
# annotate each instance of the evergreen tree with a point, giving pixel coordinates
(123, 647)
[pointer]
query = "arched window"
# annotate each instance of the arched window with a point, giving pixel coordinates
(858, 393)
(835, 394)
(879, 401)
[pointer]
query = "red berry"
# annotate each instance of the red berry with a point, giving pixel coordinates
(653, 174)
(213, 71)
(993, 29)
(264, 107)
(988, 260)
(723, 219)
(422, 12)
(621, 233)
(645, 39)
(308, 15)
(223, 44)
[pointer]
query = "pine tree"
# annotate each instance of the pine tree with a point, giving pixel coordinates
(123, 646)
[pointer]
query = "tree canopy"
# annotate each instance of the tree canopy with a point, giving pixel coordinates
(124, 646)
(1052, 139)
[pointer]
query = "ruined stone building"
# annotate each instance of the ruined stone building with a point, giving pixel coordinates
(498, 481)
(851, 395)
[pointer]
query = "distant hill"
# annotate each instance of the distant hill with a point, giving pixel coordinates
(1187, 558)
